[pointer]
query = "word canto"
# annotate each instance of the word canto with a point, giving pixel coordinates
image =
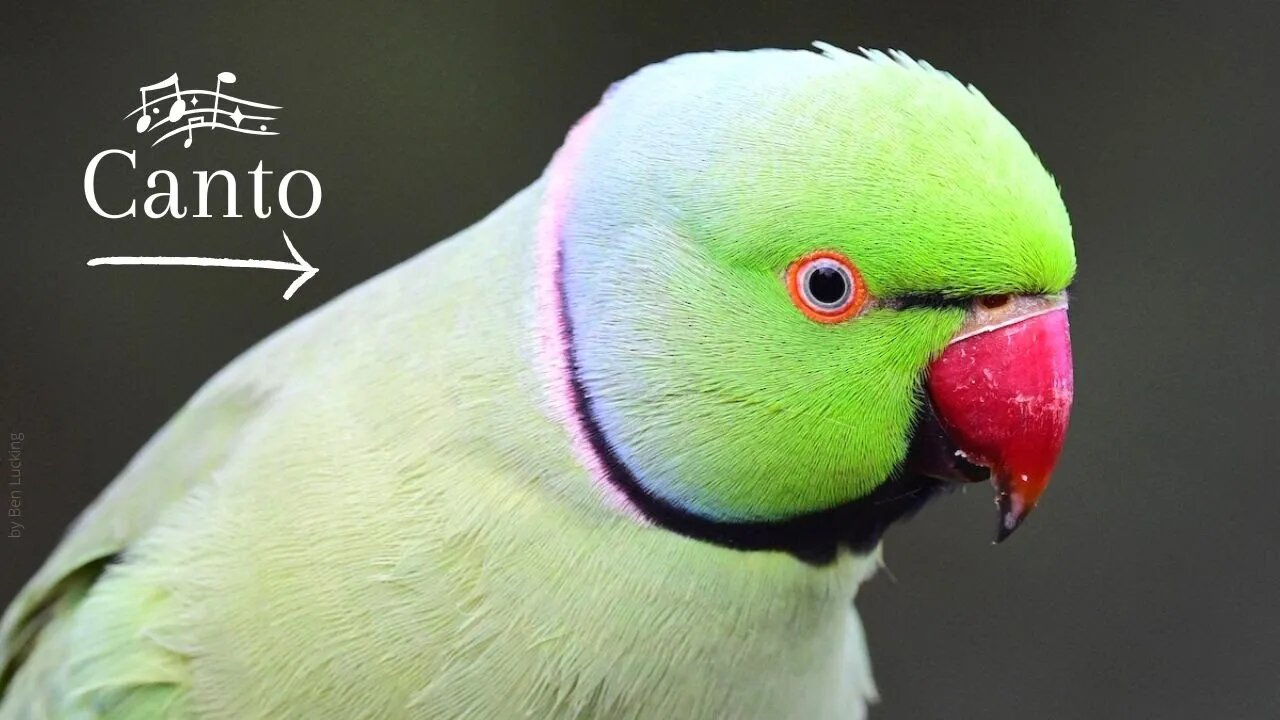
(167, 201)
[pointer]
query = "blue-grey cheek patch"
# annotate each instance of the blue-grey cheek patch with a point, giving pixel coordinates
(604, 345)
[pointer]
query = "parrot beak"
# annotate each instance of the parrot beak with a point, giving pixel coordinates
(1001, 392)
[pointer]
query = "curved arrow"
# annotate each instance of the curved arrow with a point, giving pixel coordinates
(305, 269)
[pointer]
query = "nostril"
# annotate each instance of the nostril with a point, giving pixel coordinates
(992, 302)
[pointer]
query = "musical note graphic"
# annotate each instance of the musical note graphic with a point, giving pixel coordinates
(175, 110)
(223, 77)
(192, 123)
(197, 117)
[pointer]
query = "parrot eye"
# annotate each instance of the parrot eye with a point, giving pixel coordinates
(826, 286)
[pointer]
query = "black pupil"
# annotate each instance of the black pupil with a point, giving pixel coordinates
(827, 285)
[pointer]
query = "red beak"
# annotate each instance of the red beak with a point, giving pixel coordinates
(1002, 391)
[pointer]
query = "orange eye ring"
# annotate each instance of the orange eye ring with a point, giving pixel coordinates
(826, 286)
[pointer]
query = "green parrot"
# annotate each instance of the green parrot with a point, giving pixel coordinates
(626, 448)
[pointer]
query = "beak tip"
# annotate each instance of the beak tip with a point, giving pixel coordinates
(1012, 514)
(1008, 524)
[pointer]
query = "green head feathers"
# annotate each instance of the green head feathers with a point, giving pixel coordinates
(697, 184)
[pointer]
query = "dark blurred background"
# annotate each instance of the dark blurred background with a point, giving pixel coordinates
(1145, 586)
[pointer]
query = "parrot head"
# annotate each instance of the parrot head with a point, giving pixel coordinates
(789, 296)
